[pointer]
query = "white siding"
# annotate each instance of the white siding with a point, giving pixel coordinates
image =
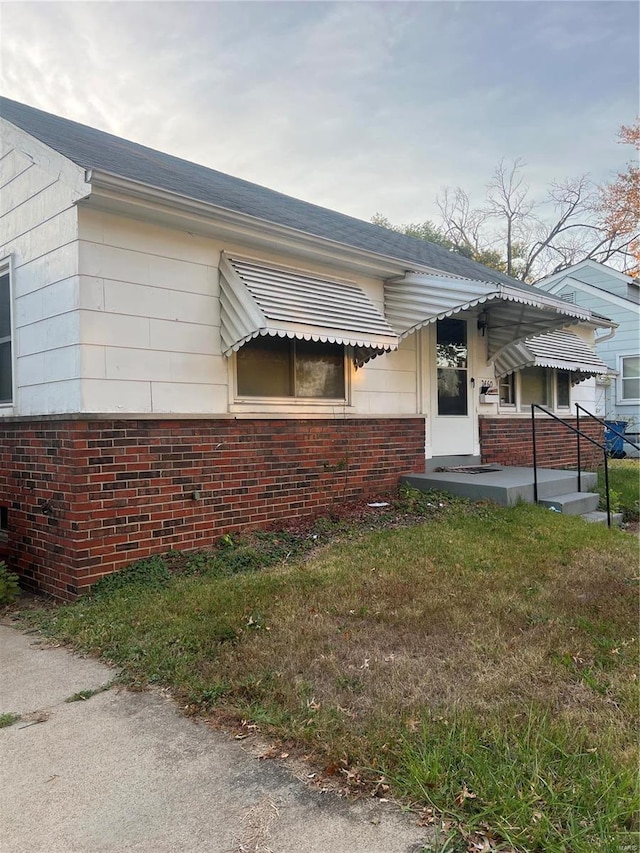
(150, 326)
(38, 231)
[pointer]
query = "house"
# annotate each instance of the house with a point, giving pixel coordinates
(184, 353)
(610, 292)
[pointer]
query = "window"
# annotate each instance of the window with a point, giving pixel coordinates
(281, 367)
(6, 378)
(630, 377)
(451, 355)
(507, 390)
(534, 386)
(563, 389)
(542, 385)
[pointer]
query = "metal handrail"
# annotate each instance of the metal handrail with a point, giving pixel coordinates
(606, 425)
(579, 435)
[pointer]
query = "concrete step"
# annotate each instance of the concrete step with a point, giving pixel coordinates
(505, 486)
(573, 503)
(599, 517)
(565, 482)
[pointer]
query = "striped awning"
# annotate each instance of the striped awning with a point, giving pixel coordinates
(257, 299)
(510, 314)
(563, 350)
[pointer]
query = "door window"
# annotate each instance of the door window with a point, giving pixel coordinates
(452, 365)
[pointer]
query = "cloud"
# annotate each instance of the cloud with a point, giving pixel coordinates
(356, 106)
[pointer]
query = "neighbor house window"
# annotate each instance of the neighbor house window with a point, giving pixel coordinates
(630, 377)
(6, 377)
(281, 367)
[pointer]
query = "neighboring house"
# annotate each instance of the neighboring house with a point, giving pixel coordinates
(616, 295)
(183, 353)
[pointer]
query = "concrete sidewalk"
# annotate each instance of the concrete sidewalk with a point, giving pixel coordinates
(126, 771)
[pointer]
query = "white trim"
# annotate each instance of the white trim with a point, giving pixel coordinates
(52, 161)
(620, 400)
(590, 264)
(592, 290)
(113, 193)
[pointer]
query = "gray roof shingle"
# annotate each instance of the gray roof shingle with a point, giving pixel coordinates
(94, 149)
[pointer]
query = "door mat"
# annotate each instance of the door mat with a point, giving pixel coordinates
(472, 469)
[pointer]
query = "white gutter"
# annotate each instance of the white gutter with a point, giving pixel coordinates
(109, 185)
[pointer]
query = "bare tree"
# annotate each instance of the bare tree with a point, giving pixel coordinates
(534, 238)
(509, 204)
(530, 238)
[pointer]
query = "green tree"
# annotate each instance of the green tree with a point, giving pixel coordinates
(421, 230)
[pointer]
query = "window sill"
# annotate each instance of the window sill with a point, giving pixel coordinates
(290, 407)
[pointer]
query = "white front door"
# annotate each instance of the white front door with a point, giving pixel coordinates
(453, 428)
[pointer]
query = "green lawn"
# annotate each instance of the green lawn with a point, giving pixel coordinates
(482, 663)
(624, 485)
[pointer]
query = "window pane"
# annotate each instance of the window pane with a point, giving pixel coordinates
(5, 308)
(5, 372)
(451, 347)
(452, 392)
(631, 389)
(319, 370)
(563, 389)
(264, 368)
(506, 389)
(534, 386)
(631, 377)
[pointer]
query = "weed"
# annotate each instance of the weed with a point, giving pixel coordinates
(143, 575)
(7, 720)
(83, 695)
(624, 487)
(9, 588)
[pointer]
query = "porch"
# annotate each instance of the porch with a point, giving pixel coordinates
(557, 489)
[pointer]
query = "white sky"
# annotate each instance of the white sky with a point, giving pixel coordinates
(357, 106)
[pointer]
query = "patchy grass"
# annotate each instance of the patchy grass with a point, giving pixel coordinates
(483, 663)
(624, 485)
(7, 720)
(83, 695)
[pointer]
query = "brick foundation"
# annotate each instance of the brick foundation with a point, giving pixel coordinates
(86, 497)
(507, 441)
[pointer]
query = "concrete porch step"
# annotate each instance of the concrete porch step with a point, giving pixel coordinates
(505, 486)
(573, 503)
(599, 517)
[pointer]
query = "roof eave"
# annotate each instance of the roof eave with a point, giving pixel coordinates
(109, 187)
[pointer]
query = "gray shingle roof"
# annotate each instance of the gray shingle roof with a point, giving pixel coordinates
(94, 149)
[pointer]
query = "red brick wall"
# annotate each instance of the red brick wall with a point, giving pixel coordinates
(86, 497)
(508, 441)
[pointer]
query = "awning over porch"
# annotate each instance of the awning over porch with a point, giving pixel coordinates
(507, 313)
(563, 350)
(257, 299)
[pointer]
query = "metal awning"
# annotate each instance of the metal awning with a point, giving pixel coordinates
(257, 299)
(509, 314)
(563, 350)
